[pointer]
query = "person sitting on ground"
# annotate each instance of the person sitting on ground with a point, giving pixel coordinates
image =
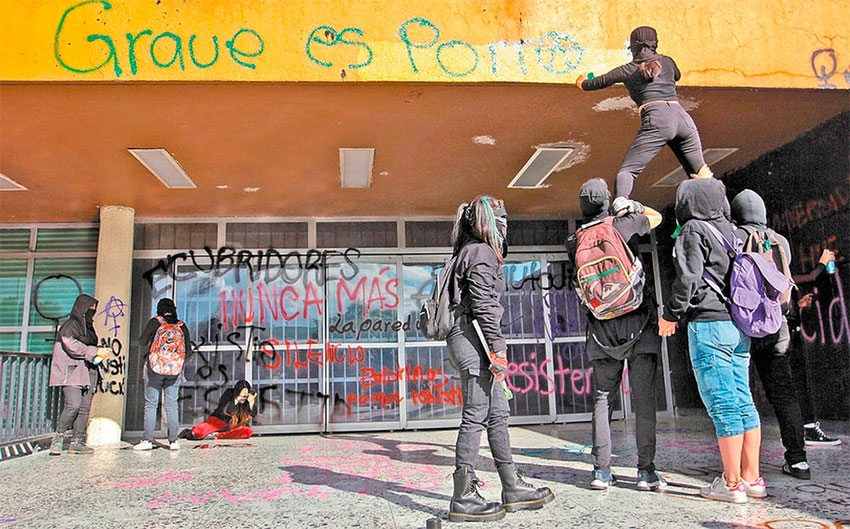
(236, 407)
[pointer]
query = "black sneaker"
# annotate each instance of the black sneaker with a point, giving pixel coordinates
(798, 470)
(815, 437)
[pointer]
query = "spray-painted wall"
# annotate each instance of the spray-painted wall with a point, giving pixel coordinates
(785, 43)
(806, 188)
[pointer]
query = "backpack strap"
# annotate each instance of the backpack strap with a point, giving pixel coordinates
(729, 248)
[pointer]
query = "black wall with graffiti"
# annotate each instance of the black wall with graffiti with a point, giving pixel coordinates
(806, 188)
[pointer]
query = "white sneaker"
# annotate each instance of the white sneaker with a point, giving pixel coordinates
(144, 445)
(719, 490)
(174, 446)
(756, 489)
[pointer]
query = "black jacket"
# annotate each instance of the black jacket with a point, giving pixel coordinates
(699, 202)
(662, 88)
(476, 287)
(226, 405)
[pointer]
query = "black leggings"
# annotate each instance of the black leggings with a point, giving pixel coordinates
(661, 123)
(77, 407)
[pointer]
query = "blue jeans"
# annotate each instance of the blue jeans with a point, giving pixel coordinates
(170, 387)
(720, 356)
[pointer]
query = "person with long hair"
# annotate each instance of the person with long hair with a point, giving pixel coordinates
(73, 369)
(236, 407)
(651, 81)
(475, 286)
(719, 351)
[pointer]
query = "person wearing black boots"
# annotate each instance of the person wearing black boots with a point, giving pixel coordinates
(475, 286)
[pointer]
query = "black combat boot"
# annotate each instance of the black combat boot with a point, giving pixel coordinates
(469, 506)
(518, 495)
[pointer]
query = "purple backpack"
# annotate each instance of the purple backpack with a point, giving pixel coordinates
(755, 286)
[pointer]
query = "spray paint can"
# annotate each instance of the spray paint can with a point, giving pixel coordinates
(433, 523)
(830, 266)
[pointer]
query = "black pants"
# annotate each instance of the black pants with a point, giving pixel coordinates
(605, 379)
(485, 407)
(800, 370)
(770, 358)
(77, 407)
(661, 124)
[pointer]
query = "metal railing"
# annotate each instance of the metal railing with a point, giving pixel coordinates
(29, 407)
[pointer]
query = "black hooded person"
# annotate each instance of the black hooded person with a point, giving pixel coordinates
(651, 81)
(73, 369)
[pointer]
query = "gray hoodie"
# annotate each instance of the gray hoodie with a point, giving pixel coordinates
(698, 202)
(75, 345)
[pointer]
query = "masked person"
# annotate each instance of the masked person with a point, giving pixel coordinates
(475, 286)
(632, 336)
(236, 407)
(73, 369)
(719, 351)
(651, 81)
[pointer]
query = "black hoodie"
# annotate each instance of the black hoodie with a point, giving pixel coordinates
(643, 41)
(227, 405)
(698, 202)
(167, 310)
(750, 215)
(616, 337)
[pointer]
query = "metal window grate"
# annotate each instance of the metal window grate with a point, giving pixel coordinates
(428, 234)
(357, 234)
(66, 239)
(14, 240)
(267, 234)
(537, 232)
(175, 236)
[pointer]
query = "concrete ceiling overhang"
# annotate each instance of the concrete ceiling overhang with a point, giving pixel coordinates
(271, 149)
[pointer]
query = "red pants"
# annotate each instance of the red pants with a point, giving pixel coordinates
(214, 424)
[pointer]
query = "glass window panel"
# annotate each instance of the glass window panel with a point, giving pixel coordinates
(66, 239)
(419, 283)
(10, 341)
(13, 279)
(433, 385)
(57, 283)
(528, 379)
(363, 304)
(40, 342)
(14, 239)
(372, 395)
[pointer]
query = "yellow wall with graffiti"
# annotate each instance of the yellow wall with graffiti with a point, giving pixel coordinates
(781, 43)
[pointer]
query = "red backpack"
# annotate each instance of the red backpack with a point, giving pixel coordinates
(610, 278)
(168, 349)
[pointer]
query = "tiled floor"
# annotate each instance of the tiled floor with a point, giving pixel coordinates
(402, 479)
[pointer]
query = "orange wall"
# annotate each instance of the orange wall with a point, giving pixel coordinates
(742, 43)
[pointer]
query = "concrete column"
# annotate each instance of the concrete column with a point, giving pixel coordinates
(112, 287)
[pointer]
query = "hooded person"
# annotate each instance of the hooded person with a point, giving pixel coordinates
(236, 408)
(165, 341)
(770, 354)
(651, 81)
(719, 352)
(631, 336)
(72, 368)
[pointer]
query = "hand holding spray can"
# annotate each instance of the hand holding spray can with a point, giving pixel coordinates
(495, 359)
